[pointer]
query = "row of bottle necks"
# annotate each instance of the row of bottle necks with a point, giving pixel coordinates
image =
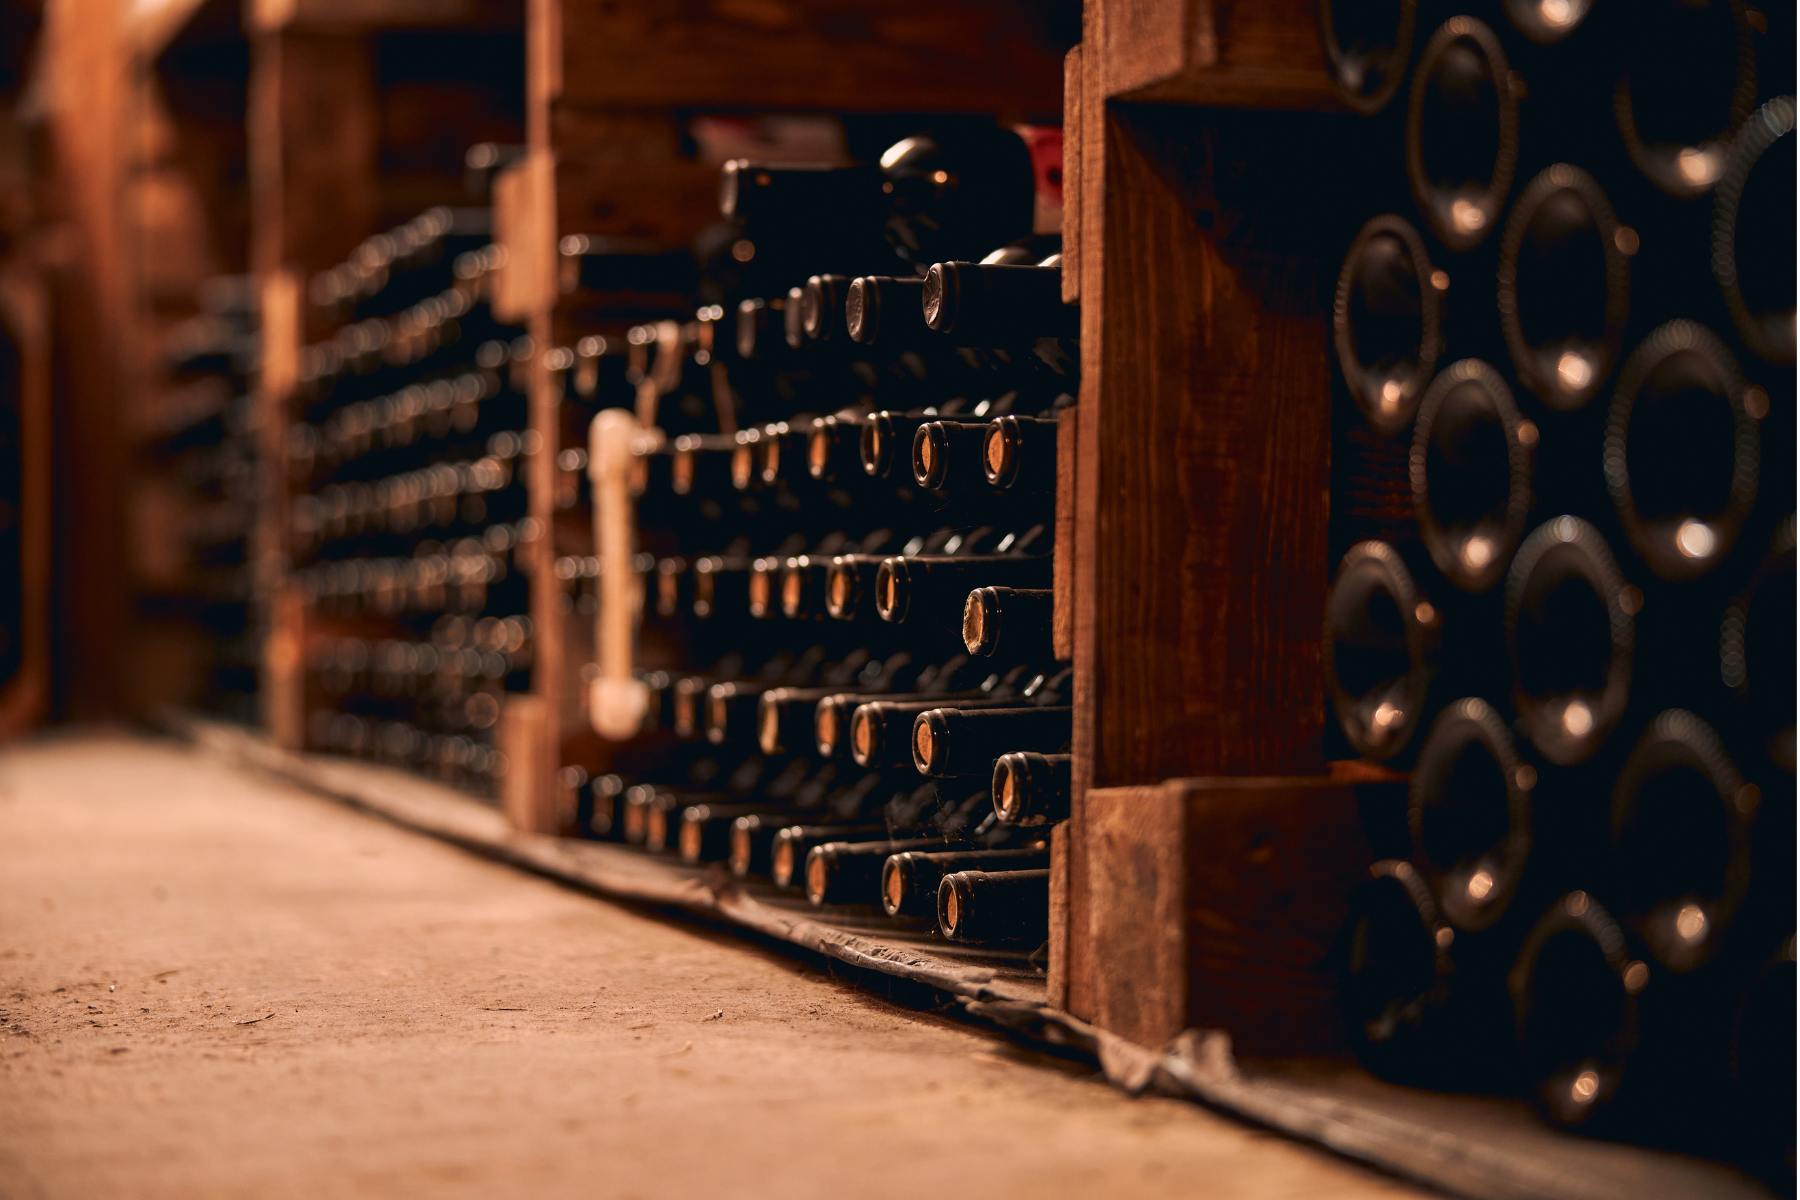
(821, 831)
(1592, 935)
(1573, 648)
(463, 757)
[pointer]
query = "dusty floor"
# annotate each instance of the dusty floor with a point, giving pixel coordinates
(215, 985)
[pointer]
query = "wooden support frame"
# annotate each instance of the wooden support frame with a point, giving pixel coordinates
(1201, 466)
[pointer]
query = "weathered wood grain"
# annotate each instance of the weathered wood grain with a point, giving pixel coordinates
(1216, 904)
(835, 55)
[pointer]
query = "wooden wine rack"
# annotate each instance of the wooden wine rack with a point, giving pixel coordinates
(1204, 873)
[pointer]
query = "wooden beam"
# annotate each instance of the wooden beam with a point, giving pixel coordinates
(1218, 53)
(1216, 904)
(836, 55)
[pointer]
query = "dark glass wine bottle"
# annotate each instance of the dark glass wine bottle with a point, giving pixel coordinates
(995, 906)
(1681, 817)
(1565, 286)
(1032, 789)
(976, 304)
(1682, 453)
(953, 741)
(910, 879)
(933, 590)
(1470, 813)
(1012, 621)
(1688, 84)
(1367, 46)
(1569, 637)
(1471, 469)
(1386, 322)
(1757, 654)
(1396, 968)
(1381, 643)
(1575, 1000)
(1462, 132)
(1753, 232)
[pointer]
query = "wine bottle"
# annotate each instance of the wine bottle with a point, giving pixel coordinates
(979, 304)
(834, 448)
(1396, 969)
(706, 828)
(1025, 615)
(1469, 808)
(823, 801)
(1020, 454)
(1761, 1062)
(1032, 789)
(1565, 286)
(1757, 655)
(888, 312)
(602, 811)
(851, 872)
(1575, 1000)
(721, 585)
(933, 589)
(887, 440)
(850, 585)
(1569, 635)
(995, 906)
(793, 845)
(1385, 324)
(950, 455)
(1462, 132)
(822, 308)
(1367, 47)
(1381, 644)
(881, 730)
(1681, 817)
(1753, 212)
(1689, 83)
(910, 879)
(1682, 453)
(952, 741)
(785, 715)
(1471, 474)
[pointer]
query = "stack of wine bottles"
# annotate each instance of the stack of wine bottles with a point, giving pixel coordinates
(844, 484)
(410, 502)
(1563, 602)
(204, 441)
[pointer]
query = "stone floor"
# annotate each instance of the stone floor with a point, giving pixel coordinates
(216, 985)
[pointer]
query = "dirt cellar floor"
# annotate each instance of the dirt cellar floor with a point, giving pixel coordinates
(212, 984)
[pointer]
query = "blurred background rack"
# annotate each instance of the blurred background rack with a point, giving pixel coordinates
(1363, 617)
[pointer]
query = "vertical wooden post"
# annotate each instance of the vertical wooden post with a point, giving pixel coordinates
(83, 62)
(1202, 449)
(312, 146)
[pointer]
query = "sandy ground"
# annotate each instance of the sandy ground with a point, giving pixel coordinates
(216, 985)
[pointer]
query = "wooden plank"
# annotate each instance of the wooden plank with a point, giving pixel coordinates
(525, 227)
(1211, 448)
(664, 205)
(25, 322)
(836, 55)
(1068, 506)
(82, 69)
(270, 16)
(1216, 904)
(524, 736)
(1135, 919)
(1087, 197)
(1217, 53)
(281, 683)
(1071, 222)
(313, 142)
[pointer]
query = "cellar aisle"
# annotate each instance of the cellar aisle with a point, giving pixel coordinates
(216, 985)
